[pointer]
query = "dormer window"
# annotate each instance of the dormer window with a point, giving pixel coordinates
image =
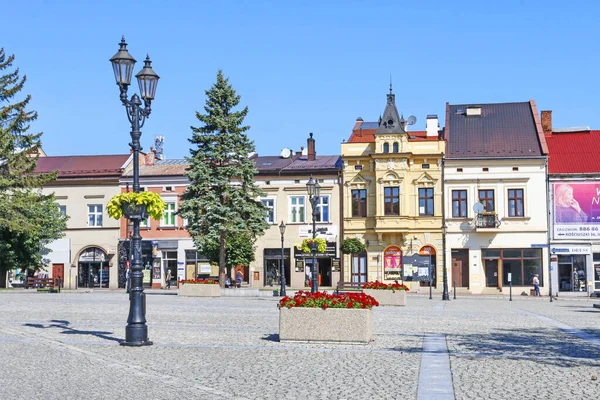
(386, 148)
(390, 122)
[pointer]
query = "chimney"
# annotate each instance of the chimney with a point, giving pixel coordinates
(150, 157)
(547, 121)
(432, 126)
(312, 155)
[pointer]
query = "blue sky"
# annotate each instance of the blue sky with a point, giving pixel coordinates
(300, 67)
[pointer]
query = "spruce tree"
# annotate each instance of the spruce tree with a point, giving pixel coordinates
(29, 220)
(222, 200)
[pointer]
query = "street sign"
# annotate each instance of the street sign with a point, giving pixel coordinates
(539, 245)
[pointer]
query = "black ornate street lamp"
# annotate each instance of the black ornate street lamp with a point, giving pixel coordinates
(445, 295)
(282, 263)
(136, 332)
(314, 191)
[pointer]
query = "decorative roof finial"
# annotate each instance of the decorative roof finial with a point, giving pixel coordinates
(390, 83)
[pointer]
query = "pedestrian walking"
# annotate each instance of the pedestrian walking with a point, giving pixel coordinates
(168, 279)
(536, 285)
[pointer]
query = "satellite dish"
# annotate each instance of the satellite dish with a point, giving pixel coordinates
(411, 120)
(478, 207)
(286, 153)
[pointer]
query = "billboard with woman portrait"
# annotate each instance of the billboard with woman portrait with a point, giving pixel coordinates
(576, 210)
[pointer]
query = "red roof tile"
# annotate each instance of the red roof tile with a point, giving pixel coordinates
(367, 135)
(574, 152)
(79, 166)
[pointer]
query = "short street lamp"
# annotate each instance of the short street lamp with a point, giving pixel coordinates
(136, 332)
(282, 264)
(445, 295)
(314, 191)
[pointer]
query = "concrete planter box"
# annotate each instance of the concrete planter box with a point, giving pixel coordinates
(305, 324)
(199, 290)
(388, 297)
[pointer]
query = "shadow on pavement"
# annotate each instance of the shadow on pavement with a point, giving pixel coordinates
(67, 330)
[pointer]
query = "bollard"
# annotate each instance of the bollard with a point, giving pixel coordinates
(454, 282)
(510, 292)
(430, 291)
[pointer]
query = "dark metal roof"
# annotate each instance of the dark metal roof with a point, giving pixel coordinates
(275, 164)
(502, 130)
(391, 122)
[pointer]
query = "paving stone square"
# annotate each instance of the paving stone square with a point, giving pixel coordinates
(66, 346)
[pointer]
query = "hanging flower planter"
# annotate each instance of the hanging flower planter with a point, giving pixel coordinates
(135, 211)
(136, 206)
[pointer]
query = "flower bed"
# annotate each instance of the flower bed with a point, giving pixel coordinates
(393, 294)
(384, 286)
(200, 288)
(323, 317)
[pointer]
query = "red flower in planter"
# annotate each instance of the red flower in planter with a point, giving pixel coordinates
(383, 286)
(324, 300)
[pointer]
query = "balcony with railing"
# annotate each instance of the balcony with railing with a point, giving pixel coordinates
(487, 220)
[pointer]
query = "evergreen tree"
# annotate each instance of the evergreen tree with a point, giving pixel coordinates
(222, 200)
(28, 219)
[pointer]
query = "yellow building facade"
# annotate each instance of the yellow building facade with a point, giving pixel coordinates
(392, 200)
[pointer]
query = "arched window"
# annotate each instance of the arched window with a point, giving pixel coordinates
(395, 147)
(386, 147)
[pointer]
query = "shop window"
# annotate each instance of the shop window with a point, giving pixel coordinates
(522, 264)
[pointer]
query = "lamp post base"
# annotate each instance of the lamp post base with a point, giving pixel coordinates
(136, 336)
(137, 344)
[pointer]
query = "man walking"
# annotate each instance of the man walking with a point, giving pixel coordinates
(536, 285)
(168, 279)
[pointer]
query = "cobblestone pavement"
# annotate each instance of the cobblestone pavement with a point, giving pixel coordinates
(65, 346)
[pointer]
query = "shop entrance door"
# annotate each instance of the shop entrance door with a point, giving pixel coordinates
(324, 271)
(58, 271)
(565, 277)
(491, 273)
(460, 268)
(359, 268)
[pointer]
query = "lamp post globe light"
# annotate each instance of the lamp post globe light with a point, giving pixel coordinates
(282, 263)
(314, 192)
(445, 295)
(136, 332)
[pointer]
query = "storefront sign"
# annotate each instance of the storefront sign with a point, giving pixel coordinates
(327, 232)
(335, 265)
(299, 265)
(576, 210)
(330, 252)
(392, 262)
(147, 276)
(570, 249)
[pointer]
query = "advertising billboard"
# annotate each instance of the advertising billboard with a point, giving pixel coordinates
(576, 210)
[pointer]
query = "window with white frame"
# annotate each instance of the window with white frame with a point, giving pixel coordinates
(94, 214)
(169, 215)
(270, 205)
(322, 209)
(296, 208)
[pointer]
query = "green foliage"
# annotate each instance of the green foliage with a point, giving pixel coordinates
(307, 243)
(29, 220)
(221, 203)
(239, 250)
(26, 248)
(155, 205)
(352, 246)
